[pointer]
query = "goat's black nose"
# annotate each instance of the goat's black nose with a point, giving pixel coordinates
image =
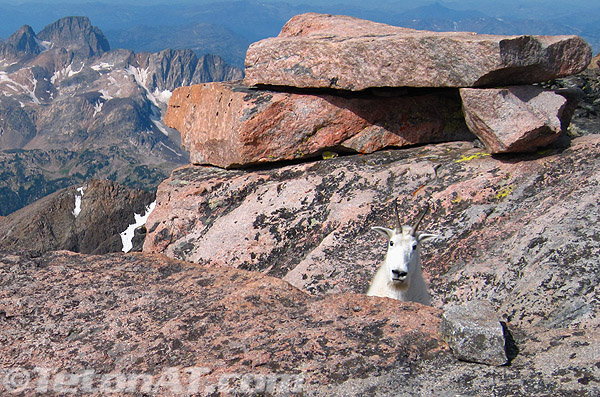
(399, 274)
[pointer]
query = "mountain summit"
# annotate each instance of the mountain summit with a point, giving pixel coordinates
(77, 34)
(24, 41)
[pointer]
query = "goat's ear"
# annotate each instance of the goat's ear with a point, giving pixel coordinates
(384, 231)
(423, 237)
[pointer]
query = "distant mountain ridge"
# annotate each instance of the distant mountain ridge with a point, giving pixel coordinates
(22, 41)
(242, 22)
(438, 17)
(87, 219)
(87, 110)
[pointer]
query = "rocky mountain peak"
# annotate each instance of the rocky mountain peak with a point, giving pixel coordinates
(77, 34)
(214, 68)
(24, 41)
(175, 68)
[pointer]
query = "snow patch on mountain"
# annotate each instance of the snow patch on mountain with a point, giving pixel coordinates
(46, 45)
(11, 82)
(78, 198)
(140, 75)
(162, 96)
(102, 66)
(105, 95)
(160, 125)
(65, 72)
(140, 220)
(98, 107)
(170, 149)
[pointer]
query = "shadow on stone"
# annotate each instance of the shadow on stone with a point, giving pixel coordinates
(512, 350)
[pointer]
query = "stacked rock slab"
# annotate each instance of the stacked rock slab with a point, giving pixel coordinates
(228, 124)
(344, 84)
(317, 50)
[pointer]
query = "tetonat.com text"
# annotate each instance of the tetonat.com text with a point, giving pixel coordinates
(173, 380)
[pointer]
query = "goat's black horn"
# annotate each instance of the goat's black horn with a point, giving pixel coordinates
(397, 215)
(419, 219)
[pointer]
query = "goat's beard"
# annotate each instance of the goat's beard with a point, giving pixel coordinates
(398, 284)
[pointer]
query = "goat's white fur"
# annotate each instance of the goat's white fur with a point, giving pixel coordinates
(400, 276)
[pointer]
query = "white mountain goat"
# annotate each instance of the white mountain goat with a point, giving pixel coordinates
(400, 277)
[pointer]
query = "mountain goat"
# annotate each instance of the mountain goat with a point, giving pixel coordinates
(400, 277)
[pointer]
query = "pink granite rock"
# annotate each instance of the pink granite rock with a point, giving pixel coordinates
(317, 50)
(138, 324)
(228, 125)
(129, 314)
(520, 233)
(514, 119)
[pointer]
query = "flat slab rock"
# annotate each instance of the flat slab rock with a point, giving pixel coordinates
(230, 125)
(516, 118)
(318, 50)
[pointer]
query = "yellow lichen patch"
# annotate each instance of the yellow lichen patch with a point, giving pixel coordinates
(475, 156)
(505, 191)
(328, 155)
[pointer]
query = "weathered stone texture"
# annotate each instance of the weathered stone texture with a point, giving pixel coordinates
(227, 124)
(317, 50)
(516, 118)
(143, 314)
(474, 333)
(518, 231)
(138, 314)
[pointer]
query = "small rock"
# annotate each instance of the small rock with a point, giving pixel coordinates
(514, 119)
(138, 238)
(474, 333)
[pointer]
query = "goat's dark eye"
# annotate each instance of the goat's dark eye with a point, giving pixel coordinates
(414, 247)
(391, 243)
